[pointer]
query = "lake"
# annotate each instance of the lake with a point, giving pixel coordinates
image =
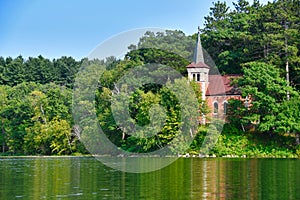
(186, 178)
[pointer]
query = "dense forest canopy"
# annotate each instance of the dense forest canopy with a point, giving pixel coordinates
(268, 33)
(261, 42)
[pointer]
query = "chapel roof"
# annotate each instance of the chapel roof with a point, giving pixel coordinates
(222, 85)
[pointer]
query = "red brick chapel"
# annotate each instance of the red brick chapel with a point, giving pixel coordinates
(216, 89)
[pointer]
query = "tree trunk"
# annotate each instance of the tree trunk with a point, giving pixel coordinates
(116, 89)
(123, 135)
(43, 113)
(287, 62)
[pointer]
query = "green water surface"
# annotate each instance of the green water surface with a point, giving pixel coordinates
(186, 178)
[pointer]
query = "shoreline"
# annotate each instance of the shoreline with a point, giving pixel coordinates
(46, 156)
(153, 156)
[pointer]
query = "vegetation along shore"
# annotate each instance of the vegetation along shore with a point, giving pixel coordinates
(258, 42)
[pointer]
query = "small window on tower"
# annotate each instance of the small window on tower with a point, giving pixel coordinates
(198, 77)
(194, 77)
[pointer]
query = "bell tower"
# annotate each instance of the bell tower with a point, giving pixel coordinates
(198, 70)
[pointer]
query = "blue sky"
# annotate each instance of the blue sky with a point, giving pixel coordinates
(54, 28)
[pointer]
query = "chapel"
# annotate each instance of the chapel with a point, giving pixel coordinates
(216, 89)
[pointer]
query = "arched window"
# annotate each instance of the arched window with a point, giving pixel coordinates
(216, 107)
(225, 104)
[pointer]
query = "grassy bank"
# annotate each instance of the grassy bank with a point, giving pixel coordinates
(252, 144)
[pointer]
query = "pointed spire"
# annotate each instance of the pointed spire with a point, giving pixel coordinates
(198, 54)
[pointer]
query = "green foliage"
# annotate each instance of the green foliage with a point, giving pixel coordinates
(234, 142)
(18, 114)
(170, 49)
(254, 32)
(4, 120)
(39, 70)
(267, 91)
(36, 119)
(146, 103)
(298, 151)
(257, 41)
(49, 138)
(288, 118)
(175, 42)
(152, 55)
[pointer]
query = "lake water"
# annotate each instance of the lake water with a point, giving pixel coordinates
(187, 178)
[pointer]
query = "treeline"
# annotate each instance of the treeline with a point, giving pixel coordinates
(257, 41)
(36, 104)
(35, 100)
(14, 71)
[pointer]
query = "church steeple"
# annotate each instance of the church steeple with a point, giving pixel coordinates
(198, 70)
(198, 54)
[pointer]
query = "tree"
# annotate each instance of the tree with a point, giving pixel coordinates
(152, 55)
(267, 90)
(14, 72)
(51, 129)
(242, 6)
(19, 113)
(288, 119)
(64, 70)
(175, 42)
(217, 16)
(281, 28)
(49, 138)
(58, 101)
(3, 115)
